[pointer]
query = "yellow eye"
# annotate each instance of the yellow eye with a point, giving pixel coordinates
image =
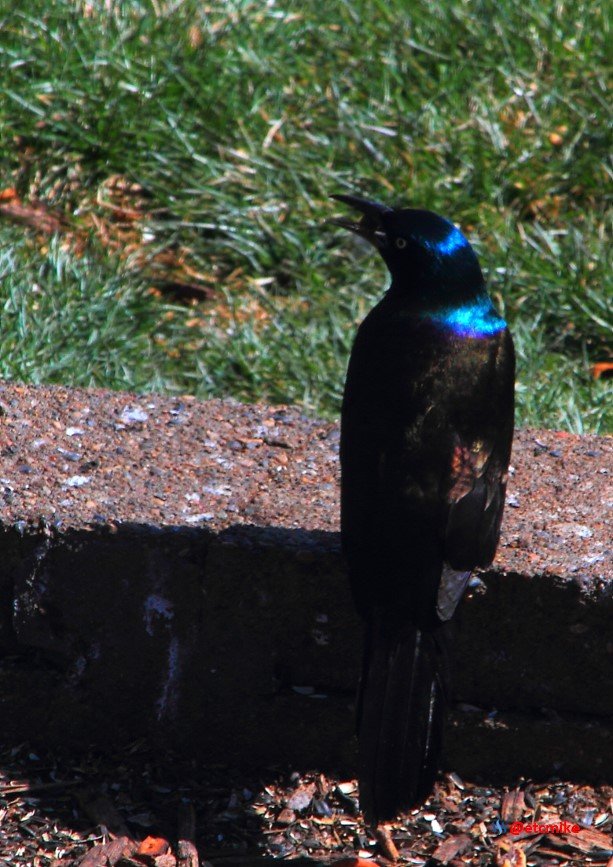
(401, 243)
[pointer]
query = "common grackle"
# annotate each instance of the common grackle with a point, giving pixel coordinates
(426, 431)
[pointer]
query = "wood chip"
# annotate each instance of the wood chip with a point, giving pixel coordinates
(108, 854)
(32, 788)
(587, 840)
(388, 848)
(187, 854)
(515, 857)
(166, 860)
(451, 848)
(286, 817)
(352, 862)
(513, 806)
(101, 810)
(36, 215)
(602, 368)
(302, 797)
(152, 847)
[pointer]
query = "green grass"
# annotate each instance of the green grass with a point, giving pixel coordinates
(239, 119)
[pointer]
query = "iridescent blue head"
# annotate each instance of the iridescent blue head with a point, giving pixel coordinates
(434, 269)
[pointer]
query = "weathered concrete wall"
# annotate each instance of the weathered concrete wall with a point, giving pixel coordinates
(172, 568)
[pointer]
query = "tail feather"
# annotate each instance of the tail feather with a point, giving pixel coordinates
(401, 711)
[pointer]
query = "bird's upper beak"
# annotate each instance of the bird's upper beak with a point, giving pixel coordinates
(370, 225)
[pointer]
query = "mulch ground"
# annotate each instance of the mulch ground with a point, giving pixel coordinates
(140, 809)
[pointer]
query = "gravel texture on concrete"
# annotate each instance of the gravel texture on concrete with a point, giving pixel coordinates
(76, 458)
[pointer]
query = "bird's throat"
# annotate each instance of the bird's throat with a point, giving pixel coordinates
(474, 318)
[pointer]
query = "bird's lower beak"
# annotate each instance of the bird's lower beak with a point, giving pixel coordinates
(370, 225)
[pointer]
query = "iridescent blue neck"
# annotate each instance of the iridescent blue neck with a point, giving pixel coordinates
(474, 318)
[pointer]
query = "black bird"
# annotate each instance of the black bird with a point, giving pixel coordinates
(426, 431)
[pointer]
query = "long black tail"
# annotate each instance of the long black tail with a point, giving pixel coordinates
(401, 711)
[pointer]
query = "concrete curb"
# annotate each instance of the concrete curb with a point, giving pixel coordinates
(171, 569)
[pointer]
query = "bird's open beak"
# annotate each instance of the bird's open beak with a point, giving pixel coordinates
(370, 225)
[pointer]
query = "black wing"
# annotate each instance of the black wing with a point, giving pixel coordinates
(475, 483)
